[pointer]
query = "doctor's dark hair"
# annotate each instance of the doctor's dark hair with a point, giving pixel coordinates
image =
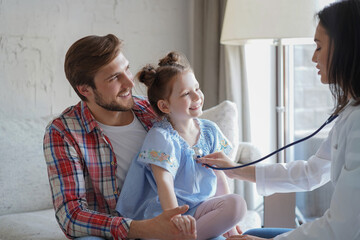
(160, 80)
(341, 21)
(86, 56)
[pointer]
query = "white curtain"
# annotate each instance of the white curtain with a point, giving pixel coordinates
(207, 51)
(236, 88)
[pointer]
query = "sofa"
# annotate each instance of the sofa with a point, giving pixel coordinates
(26, 210)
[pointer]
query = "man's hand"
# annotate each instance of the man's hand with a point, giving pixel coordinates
(160, 227)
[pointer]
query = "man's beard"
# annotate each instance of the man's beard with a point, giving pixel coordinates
(112, 106)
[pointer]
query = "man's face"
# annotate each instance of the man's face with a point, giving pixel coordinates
(113, 84)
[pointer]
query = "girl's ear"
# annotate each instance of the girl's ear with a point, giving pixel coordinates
(84, 90)
(163, 105)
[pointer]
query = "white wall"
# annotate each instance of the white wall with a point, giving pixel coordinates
(35, 35)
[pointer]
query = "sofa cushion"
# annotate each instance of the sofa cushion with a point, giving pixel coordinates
(30, 226)
(24, 184)
(225, 115)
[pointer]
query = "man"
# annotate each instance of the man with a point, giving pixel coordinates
(89, 147)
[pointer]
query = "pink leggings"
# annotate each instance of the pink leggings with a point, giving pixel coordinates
(218, 215)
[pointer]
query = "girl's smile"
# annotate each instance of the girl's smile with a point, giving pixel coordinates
(186, 100)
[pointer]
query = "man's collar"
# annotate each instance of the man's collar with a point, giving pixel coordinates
(87, 118)
(140, 105)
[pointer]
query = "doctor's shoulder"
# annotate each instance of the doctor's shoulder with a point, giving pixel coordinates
(352, 118)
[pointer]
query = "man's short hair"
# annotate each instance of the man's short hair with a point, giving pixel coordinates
(86, 56)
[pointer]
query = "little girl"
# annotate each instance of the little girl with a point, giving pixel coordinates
(165, 173)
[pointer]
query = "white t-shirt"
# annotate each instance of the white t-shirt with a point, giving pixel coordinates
(126, 141)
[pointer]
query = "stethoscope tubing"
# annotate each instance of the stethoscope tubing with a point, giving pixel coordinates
(329, 120)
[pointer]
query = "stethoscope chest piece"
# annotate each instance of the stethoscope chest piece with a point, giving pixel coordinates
(198, 153)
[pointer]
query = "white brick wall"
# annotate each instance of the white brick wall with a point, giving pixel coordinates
(35, 35)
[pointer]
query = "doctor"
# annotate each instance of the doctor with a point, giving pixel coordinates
(337, 57)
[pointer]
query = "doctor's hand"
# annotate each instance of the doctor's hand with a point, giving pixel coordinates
(219, 159)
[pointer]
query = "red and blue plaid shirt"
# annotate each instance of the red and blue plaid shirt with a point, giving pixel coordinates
(81, 166)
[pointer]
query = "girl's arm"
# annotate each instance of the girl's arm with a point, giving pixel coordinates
(222, 187)
(165, 185)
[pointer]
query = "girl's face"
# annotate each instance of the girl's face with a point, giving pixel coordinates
(321, 53)
(186, 100)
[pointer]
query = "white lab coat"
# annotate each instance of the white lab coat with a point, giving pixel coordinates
(338, 160)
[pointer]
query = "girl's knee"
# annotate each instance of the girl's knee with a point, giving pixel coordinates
(237, 207)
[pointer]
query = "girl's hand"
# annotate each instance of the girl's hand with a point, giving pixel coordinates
(186, 224)
(219, 159)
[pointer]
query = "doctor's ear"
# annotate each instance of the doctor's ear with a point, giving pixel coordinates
(163, 105)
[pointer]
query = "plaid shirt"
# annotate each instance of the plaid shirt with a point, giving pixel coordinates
(81, 166)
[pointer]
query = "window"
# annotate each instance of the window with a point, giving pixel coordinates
(310, 105)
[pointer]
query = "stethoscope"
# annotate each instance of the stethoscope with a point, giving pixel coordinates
(198, 152)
